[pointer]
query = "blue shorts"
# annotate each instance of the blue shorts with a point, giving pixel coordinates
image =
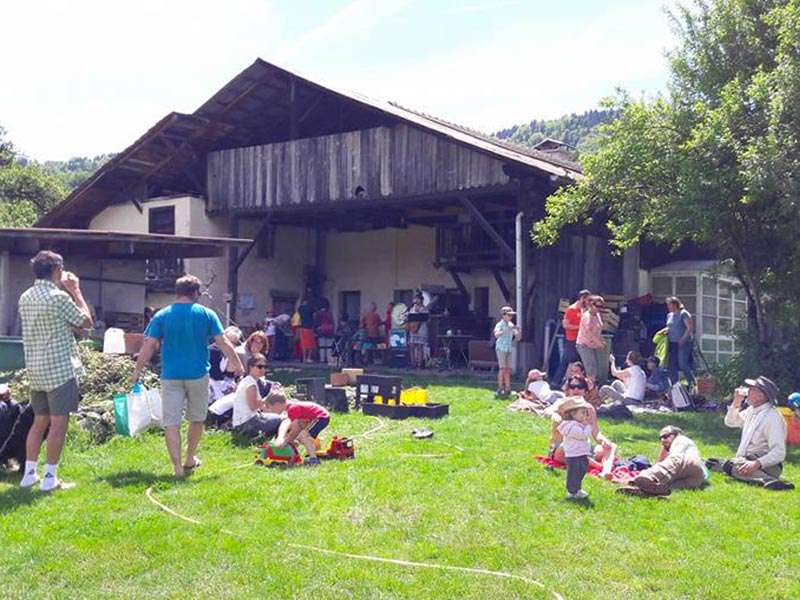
(317, 426)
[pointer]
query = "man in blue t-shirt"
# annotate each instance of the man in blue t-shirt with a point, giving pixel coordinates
(184, 330)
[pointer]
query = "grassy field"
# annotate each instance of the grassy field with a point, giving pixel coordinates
(490, 506)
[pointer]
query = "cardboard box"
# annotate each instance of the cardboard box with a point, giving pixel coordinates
(339, 379)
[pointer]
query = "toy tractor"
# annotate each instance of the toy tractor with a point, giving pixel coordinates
(339, 448)
(269, 455)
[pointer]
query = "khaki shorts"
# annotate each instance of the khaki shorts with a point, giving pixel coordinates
(60, 401)
(503, 359)
(179, 393)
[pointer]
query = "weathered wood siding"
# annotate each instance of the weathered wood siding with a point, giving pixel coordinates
(386, 162)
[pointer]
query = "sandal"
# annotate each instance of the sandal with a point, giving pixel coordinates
(197, 463)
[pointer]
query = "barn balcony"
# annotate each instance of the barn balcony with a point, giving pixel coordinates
(161, 273)
(465, 246)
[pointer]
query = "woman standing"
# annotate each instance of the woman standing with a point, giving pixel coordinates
(590, 343)
(680, 330)
(417, 334)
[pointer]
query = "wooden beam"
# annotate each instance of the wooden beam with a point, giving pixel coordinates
(233, 272)
(487, 227)
(292, 109)
(459, 283)
(498, 277)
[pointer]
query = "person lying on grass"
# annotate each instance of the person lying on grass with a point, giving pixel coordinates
(679, 467)
(538, 390)
(307, 420)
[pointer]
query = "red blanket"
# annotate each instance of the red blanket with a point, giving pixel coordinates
(621, 475)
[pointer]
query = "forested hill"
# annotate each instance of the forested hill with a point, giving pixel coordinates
(579, 131)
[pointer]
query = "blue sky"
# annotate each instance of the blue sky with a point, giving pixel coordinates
(90, 76)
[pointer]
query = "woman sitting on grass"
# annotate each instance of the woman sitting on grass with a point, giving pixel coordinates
(591, 395)
(248, 418)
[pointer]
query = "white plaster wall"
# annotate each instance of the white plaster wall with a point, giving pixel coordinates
(378, 262)
(127, 218)
(112, 297)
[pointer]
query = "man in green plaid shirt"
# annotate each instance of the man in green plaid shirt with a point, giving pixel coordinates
(50, 310)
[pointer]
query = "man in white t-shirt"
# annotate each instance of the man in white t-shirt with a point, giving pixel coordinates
(248, 419)
(629, 388)
(539, 389)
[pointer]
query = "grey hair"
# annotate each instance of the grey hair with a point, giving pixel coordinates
(672, 430)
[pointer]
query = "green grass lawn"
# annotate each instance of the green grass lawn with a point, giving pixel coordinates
(491, 507)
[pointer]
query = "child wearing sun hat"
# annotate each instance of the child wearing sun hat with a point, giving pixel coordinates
(576, 431)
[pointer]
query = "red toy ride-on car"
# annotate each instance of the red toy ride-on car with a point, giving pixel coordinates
(340, 448)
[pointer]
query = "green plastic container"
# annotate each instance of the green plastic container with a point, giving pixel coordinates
(12, 355)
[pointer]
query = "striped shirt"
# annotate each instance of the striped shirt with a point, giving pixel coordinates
(48, 315)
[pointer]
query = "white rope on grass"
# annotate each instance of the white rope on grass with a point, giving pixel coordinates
(422, 565)
(394, 561)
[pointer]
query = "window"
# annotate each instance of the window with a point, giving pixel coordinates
(161, 220)
(404, 296)
(480, 303)
(265, 243)
(283, 302)
(662, 287)
(350, 305)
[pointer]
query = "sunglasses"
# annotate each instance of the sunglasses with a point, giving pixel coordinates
(576, 387)
(260, 366)
(666, 435)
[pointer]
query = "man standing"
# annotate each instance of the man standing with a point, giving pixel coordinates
(184, 329)
(678, 467)
(49, 311)
(571, 324)
(759, 458)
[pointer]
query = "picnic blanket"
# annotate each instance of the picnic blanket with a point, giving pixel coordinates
(620, 475)
(523, 405)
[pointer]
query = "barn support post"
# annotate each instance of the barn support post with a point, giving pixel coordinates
(232, 297)
(521, 282)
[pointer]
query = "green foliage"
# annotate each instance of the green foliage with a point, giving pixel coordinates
(76, 170)
(32, 184)
(581, 131)
(716, 161)
(18, 214)
(106, 375)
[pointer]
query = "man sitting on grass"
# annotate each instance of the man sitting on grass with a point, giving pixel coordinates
(678, 467)
(759, 458)
(307, 420)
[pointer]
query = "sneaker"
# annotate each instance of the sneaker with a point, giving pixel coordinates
(311, 461)
(570, 496)
(51, 484)
(29, 480)
(631, 490)
(779, 484)
(581, 494)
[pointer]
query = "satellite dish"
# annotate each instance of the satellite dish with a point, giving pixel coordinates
(399, 315)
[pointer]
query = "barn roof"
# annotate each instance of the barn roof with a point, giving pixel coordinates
(263, 104)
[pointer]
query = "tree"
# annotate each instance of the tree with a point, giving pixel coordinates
(27, 190)
(715, 161)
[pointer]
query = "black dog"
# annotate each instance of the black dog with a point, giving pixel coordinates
(15, 422)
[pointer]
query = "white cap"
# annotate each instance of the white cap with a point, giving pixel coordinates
(3, 389)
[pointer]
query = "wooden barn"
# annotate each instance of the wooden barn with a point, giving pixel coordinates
(352, 199)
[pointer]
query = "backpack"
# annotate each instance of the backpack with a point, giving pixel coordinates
(679, 397)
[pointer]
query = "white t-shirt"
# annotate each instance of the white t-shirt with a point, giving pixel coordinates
(242, 412)
(635, 384)
(542, 390)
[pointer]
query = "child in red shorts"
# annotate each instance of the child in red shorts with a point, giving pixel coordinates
(306, 421)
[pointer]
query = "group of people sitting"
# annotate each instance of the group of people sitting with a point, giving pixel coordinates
(758, 460)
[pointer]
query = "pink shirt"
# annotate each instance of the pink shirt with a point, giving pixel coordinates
(576, 438)
(590, 332)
